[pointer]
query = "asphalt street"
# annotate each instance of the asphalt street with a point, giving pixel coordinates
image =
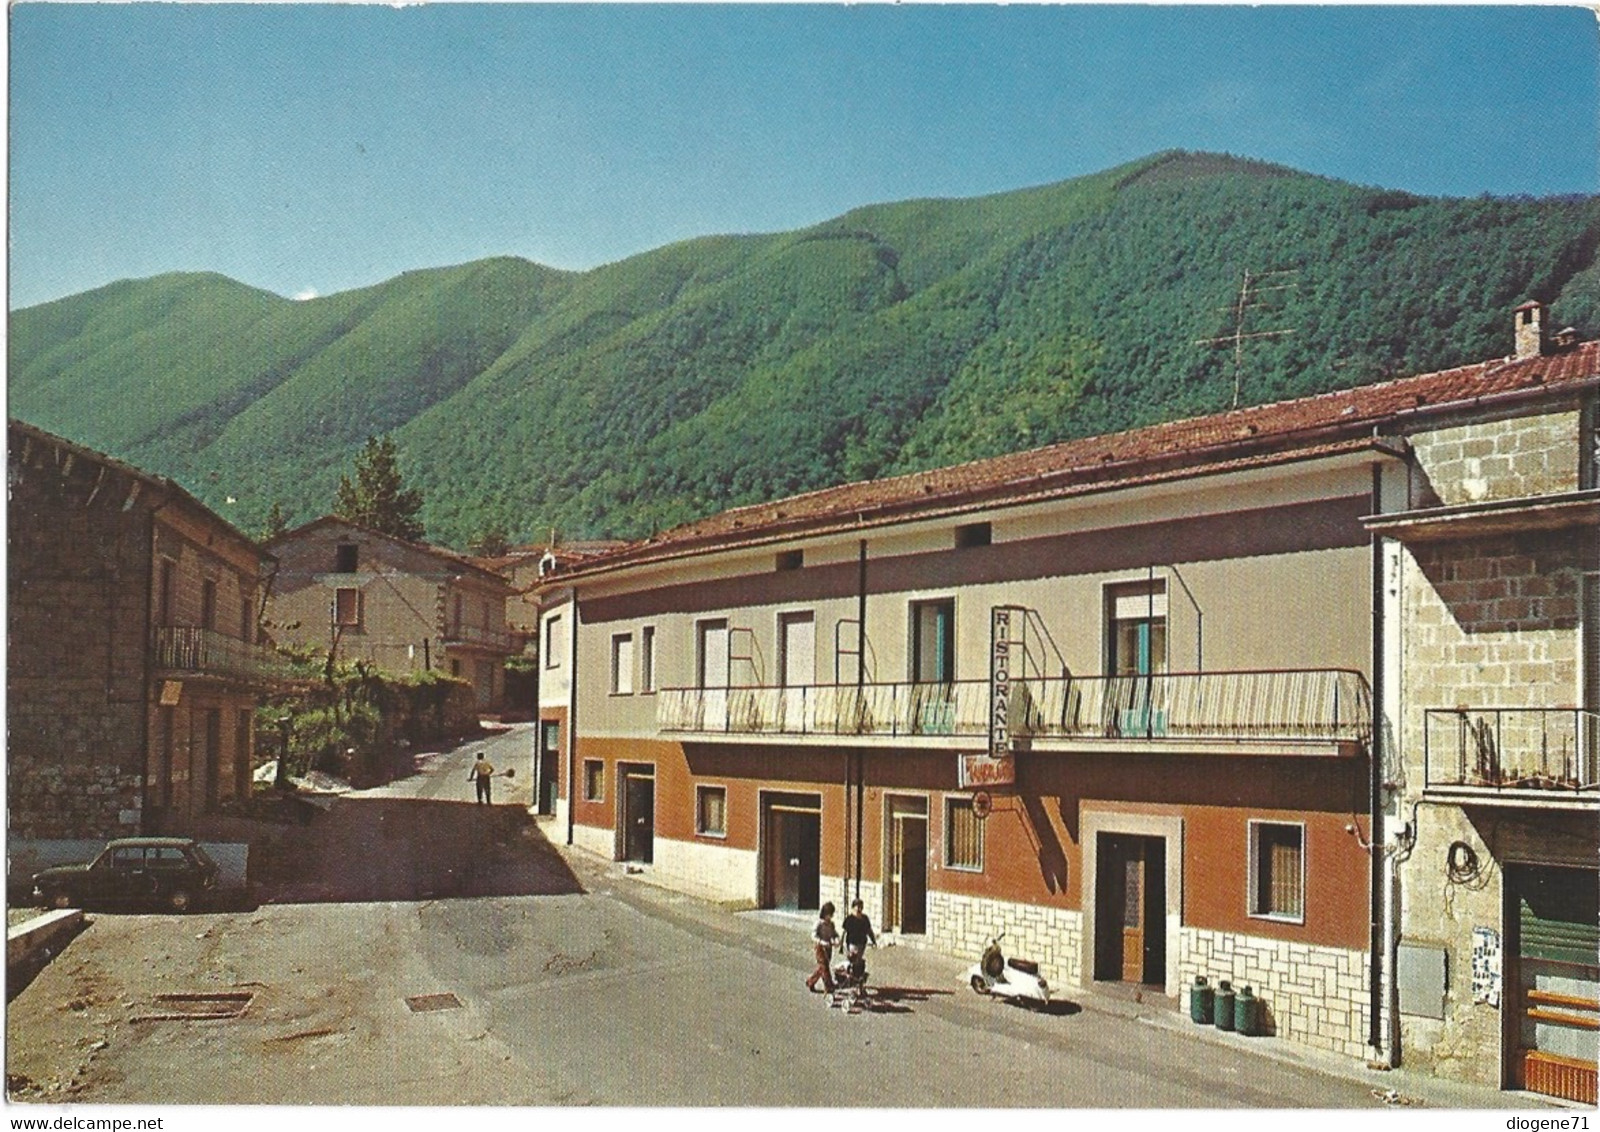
(571, 981)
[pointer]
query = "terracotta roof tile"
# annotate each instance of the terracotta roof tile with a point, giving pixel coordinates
(1343, 420)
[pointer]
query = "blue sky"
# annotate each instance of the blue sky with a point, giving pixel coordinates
(309, 148)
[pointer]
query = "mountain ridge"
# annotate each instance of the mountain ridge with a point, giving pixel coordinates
(733, 369)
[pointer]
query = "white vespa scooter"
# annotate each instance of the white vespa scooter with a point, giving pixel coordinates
(1017, 980)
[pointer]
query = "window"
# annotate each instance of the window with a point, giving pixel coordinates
(346, 557)
(554, 641)
(647, 659)
(974, 534)
(169, 584)
(455, 617)
(622, 664)
(711, 810)
(933, 641)
(347, 607)
(790, 560)
(594, 780)
(1277, 871)
(246, 619)
(1136, 636)
(208, 604)
(963, 835)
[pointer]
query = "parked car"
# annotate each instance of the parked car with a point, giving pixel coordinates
(162, 872)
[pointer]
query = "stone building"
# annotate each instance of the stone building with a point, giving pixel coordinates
(133, 668)
(1492, 599)
(402, 606)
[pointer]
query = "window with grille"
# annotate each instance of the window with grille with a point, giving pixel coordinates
(594, 780)
(963, 835)
(711, 810)
(1277, 871)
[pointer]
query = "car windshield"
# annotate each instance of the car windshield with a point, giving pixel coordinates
(202, 856)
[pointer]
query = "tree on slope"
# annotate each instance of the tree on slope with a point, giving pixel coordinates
(377, 497)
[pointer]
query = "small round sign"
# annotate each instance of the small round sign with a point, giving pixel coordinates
(982, 805)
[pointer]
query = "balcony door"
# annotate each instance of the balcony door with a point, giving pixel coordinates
(797, 650)
(711, 672)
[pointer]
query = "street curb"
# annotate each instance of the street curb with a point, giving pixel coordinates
(31, 938)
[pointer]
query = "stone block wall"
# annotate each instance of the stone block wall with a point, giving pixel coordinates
(1052, 937)
(706, 869)
(1500, 459)
(77, 576)
(1316, 996)
(1491, 624)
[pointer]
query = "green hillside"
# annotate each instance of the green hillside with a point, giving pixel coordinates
(732, 369)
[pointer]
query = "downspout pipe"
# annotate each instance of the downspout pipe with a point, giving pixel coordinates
(1377, 944)
(572, 719)
(861, 677)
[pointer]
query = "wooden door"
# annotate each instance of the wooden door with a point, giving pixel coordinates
(1130, 909)
(639, 816)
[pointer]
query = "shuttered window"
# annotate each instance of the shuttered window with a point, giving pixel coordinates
(1277, 871)
(963, 835)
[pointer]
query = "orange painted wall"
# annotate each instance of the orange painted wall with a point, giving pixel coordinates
(1032, 840)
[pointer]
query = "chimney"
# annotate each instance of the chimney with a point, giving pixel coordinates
(1530, 330)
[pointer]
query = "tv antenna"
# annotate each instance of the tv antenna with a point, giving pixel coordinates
(1250, 292)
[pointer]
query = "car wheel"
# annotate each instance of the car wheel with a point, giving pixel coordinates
(179, 900)
(58, 899)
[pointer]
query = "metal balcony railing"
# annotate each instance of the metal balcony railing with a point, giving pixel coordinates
(1318, 705)
(205, 652)
(1500, 749)
(479, 636)
(1331, 705)
(959, 708)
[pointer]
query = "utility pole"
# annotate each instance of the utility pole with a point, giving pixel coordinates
(1249, 291)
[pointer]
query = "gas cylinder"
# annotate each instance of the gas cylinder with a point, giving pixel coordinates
(1201, 1001)
(1246, 1012)
(1224, 1005)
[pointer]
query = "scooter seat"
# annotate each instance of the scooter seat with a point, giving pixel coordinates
(1026, 966)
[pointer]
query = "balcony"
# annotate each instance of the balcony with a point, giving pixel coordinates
(479, 637)
(889, 711)
(1276, 707)
(205, 653)
(1538, 757)
(1314, 712)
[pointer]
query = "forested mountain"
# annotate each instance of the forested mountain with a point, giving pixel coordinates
(728, 370)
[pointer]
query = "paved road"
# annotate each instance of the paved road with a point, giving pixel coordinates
(577, 984)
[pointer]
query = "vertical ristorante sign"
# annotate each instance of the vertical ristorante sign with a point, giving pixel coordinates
(995, 767)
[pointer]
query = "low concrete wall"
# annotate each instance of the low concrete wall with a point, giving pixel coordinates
(51, 930)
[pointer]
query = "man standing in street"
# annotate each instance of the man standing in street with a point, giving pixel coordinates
(483, 775)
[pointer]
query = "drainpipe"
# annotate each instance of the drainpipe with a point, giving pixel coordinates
(1377, 943)
(572, 719)
(860, 754)
(146, 651)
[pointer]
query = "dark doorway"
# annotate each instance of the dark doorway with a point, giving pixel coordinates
(906, 898)
(792, 844)
(213, 757)
(1130, 909)
(549, 766)
(639, 817)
